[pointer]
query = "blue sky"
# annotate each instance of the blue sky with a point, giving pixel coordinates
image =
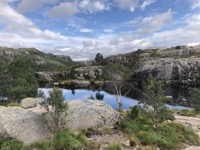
(83, 28)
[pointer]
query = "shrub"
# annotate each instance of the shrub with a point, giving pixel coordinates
(133, 140)
(134, 112)
(195, 94)
(154, 101)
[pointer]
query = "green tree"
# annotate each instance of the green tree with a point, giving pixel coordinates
(119, 75)
(99, 58)
(195, 99)
(21, 79)
(57, 108)
(154, 100)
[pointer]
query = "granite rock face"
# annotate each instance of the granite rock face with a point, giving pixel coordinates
(90, 113)
(88, 72)
(182, 69)
(180, 64)
(33, 124)
(22, 124)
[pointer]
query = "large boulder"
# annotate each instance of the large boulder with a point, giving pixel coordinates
(23, 124)
(90, 113)
(30, 102)
(31, 125)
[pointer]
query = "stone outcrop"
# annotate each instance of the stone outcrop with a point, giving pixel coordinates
(88, 72)
(30, 102)
(180, 64)
(182, 70)
(90, 113)
(43, 76)
(31, 125)
(79, 73)
(22, 124)
(173, 65)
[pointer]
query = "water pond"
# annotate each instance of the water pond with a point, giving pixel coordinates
(106, 97)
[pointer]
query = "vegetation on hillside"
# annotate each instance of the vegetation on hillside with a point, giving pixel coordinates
(38, 60)
(18, 81)
(149, 124)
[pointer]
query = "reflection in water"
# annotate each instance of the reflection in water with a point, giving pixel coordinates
(180, 94)
(73, 91)
(99, 96)
(107, 98)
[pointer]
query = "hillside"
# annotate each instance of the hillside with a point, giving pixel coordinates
(180, 64)
(39, 61)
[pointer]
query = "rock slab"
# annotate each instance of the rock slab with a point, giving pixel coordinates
(22, 124)
(31, 125)
(90, 113)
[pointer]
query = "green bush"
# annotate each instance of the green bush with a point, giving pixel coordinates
(134, 112)
(195, 93)
(154, 101)
(114, 147)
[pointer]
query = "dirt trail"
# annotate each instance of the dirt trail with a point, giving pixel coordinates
(190, 122)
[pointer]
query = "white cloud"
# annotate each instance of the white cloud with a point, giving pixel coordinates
(154, 23)
(108, 30)
(196, 4)
(19, 31)
(92, 6)
(86, 30)
(181, 36)
(147, 3)
(130, 4)
(64, 10)
(193, 44)
(32, 5)
(8, 1)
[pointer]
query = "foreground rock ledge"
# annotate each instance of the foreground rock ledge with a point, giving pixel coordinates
(31, 125)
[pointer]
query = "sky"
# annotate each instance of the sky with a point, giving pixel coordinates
(83, 28)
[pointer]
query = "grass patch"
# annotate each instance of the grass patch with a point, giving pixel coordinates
(9, 103)
(165, 135)
(64, 140)
(187, 112)
(43, 145)
(11, 144)
(114, 147)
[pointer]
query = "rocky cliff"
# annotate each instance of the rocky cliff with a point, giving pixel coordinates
(180, 64)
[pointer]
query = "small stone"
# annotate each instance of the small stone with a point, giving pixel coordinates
(126, 143)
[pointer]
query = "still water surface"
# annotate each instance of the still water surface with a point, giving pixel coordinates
(110, 99)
